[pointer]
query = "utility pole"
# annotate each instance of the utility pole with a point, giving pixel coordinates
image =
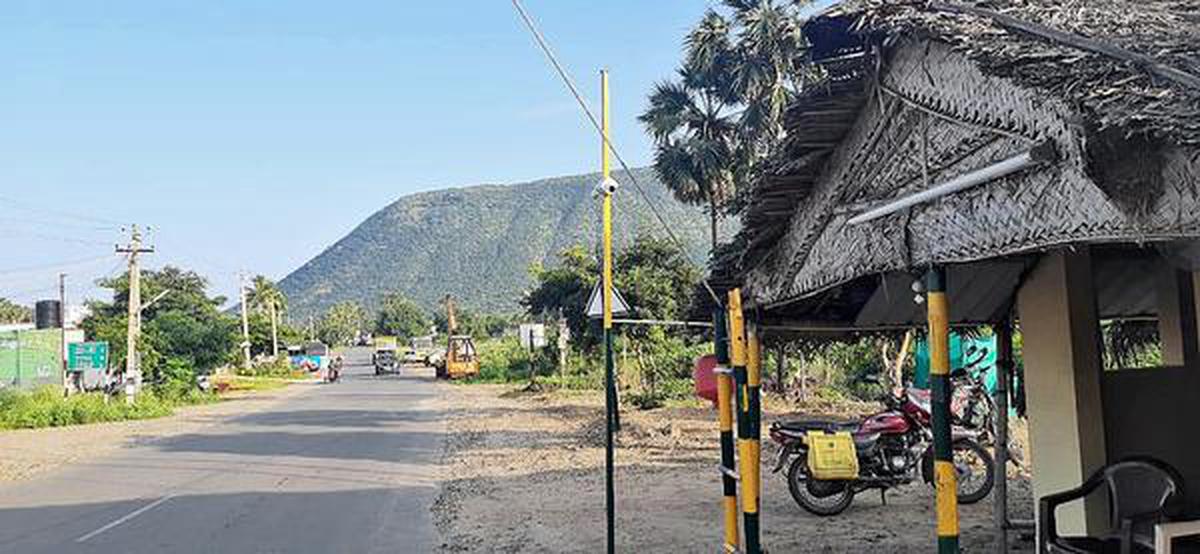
(274, 328)
(133, 376)
(245, 322)
(62, 327)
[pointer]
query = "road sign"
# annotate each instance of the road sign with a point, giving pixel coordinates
(533, 335)
(87, 356)
(595, 305)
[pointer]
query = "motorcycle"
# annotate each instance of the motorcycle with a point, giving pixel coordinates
(892, 446)
(334, 371)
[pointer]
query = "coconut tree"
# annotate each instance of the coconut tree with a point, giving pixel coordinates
(265, 298)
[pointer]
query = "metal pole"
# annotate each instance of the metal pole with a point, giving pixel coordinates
(749, 440)
(729, 478)
(1004, 363)
(939, 376)
(610, 397)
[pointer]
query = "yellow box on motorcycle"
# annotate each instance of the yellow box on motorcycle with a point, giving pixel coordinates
(831, 456)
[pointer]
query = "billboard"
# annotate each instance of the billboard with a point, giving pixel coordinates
(30, 358)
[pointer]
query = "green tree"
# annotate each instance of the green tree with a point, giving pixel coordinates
(184, 329)
(652, 274)
(564, 289)
(401, 317)
(341, 323)
(14, 313)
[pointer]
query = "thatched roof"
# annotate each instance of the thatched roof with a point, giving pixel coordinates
(1114, 71)
(1131, 85)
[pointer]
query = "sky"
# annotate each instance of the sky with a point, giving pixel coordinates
(249, 135)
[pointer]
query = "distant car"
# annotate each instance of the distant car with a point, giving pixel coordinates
(412, 357)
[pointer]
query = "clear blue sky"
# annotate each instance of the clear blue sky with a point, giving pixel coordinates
(254, 133)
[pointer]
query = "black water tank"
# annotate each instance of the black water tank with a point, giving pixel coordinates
(47, 314)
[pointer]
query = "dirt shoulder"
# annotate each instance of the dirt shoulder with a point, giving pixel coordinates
(36, 451)
(524, 473)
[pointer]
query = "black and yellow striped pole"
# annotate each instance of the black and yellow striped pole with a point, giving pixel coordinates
(749, 437)
(610, 387)
(939, 376)
(729, 503)
(737, 356)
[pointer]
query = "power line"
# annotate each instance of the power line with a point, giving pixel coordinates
(54, 265)
(60, 213)
(570, 83)
(59, 238)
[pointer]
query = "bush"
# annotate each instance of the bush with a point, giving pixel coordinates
(278, 367)
(47, 407)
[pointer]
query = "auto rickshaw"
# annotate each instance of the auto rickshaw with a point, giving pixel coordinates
(461, 360)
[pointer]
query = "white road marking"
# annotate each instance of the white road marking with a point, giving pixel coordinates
(125, 518)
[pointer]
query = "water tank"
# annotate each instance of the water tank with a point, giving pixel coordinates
(47, 314)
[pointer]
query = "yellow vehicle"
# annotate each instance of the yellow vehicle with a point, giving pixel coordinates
(461, 359)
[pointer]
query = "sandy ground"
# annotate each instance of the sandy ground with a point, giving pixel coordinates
(524, 473)
(30, 452)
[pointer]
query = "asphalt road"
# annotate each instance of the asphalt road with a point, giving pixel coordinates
(343, 467)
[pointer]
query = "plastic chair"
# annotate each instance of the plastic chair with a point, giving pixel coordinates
(1142, 492)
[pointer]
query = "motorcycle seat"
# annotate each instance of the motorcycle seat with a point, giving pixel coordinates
(802, 427)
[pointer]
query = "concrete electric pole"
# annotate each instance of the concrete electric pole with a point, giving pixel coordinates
(274, 328)
(62, 328)
(133, 375)
(245, 324)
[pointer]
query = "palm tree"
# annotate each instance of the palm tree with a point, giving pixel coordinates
(762, 63)
(690, 120)
(266, 298)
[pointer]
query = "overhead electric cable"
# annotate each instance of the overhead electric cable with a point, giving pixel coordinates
(54, 265)
(566, 78)
(61, 213)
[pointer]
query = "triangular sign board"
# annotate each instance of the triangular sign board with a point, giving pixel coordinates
(595, 305)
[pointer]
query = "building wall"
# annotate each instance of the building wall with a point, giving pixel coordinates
(1151, 412)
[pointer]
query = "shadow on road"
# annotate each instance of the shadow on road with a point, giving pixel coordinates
(407, 447)
(362, 520)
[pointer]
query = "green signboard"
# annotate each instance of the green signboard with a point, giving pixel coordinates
(87, 356)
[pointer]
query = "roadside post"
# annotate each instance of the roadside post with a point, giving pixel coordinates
(610, 388)
(749, 440)
(729, 478)
(939, 377)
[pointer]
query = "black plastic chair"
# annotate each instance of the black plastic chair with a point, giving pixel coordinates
(1141, 492)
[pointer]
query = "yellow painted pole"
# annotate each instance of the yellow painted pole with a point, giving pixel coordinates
(725, 394)
(939, 376)
(610, 389)
(749, 445)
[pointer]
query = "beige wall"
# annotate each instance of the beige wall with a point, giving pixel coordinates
(1061, 350)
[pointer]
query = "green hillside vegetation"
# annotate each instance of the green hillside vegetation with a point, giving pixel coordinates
(478, 243)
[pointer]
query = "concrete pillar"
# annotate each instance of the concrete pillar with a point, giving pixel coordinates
(1176, 316)
(1061, 351)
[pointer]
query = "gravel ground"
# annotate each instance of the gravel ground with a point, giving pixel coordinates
(35, 451)
(524, 473)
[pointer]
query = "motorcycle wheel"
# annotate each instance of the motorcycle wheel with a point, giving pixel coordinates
(974, 468)
(822, 498)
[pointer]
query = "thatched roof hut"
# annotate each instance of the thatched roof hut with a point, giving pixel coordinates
(1102, 96)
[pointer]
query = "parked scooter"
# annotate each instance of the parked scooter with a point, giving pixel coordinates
(892, 446)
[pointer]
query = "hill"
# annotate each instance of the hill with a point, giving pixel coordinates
(479, 242)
